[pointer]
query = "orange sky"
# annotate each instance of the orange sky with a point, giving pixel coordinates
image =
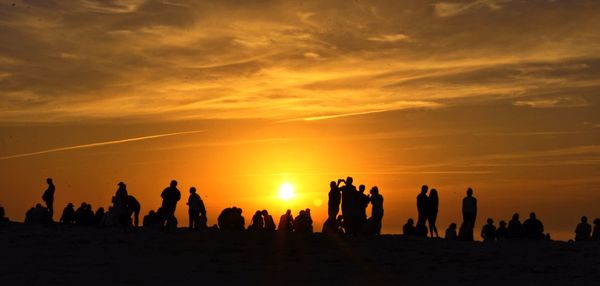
(237, 98)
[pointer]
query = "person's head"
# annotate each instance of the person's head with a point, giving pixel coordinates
(121, 185)
(362, 188)
(83, 205)
(265, 213)
(490, 221)
(333, 185)
(452, 226)
(173, 183)
(2, 212)
(38, 205)
(532, 216)
(597, 221)
(349, 180)
(410, 221)
(374, 190)
(192, 190)
(302, 213)
(433, 193)
(469, 192)
(258, 213)
(502, 223)
(49, 181)
(584, 219)
(515, 216)
(307, 211)
(70, 205)
(151, 212)
(288, 212)
(424, 189)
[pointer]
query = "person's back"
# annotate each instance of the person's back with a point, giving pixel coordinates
(48, 196)
(258, 222)
(286, 223)
(68, 215)
(377, 205)
(502, 231)
(422, 205)
(451, 232)
(335, 198)
(515, 228)
(409, 228)
(534, 229)
(583, 231)
(469, 209)
(488, 232)
(269, 223)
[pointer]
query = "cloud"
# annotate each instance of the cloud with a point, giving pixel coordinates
(557, 102)
(390, 38)
(448, 9)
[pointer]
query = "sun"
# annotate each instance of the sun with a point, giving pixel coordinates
(286, 191)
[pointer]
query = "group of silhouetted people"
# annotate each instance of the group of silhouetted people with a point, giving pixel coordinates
(343, 196)
(354, 203)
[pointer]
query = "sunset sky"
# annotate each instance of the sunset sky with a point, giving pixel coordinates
(239, 97)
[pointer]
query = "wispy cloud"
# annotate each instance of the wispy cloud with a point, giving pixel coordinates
(556, 102)
(97, 144)
(390, 38)
(448, 9)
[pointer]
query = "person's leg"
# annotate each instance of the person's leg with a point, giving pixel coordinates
(191, 219)
(136, 218)
(196, 220)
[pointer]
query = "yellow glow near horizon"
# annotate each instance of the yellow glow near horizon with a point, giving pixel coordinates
(286, 192)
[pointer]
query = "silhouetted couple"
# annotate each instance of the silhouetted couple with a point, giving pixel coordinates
(231, 219)
(196, 211)
(262, 221)
(427, 208)
(584, 232)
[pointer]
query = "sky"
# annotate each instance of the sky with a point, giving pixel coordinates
(238, 97)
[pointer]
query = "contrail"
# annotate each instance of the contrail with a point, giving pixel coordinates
(98, 144)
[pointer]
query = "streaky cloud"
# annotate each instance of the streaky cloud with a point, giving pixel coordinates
(98, 144)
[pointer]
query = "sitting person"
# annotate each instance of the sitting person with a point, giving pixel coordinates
(269, 222)
(488, 231)
(515, 228)
(451, 232)
(534, 229)
(258, 222)
(583, 231)
(409, 228)
(68, 215)
(502, 232)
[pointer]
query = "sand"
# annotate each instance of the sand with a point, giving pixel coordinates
(58, 255)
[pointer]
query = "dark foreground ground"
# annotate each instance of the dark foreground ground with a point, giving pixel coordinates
(55, 255)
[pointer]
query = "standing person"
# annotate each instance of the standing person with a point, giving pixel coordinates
(335, 198)
(432, 211)
(120, 205)
(469, 208)
(170, 196)
(422, 206)
(363, 202)
(269, 222)
(194, 210)
(583, 231)
(350, 206)
(48, 197)
(376, 209)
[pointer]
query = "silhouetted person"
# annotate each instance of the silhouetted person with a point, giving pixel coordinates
(502, 232)
(48, 197)
(303, 223)
(534, 229)
(333, 227)
(488, 231)
(432, 211)
(68, 215)
(98, 216)
(596, 232)
(583, 231)
(38, 215)
(195, 208)
(363, 200)
(409, 228)
(133, 209)
(309, 220)
(258, 222)
(469, 208)
(451, 232)
(170, 196)
(515, 228)
(350, 206)
(120, 205)
(465, 232)
(422, 205)
(3, 217)
(376, 209)
(231, 219)
(269, 222)
(286, 222)
(335, 198)
(151, 220)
